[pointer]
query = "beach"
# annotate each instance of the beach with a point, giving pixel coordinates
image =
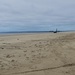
(37, 54)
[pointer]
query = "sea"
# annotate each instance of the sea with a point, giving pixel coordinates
(26, 32)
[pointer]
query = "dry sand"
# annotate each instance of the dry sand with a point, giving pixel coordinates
(37, 54)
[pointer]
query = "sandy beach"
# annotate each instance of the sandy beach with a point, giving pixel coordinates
(37, 54)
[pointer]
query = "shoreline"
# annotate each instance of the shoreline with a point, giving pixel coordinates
(27, 32)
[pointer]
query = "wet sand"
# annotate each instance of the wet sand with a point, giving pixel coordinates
(37, 54)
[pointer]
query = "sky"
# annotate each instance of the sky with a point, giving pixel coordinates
(37, 15)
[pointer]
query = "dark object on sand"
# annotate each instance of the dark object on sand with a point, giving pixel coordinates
(55, 31)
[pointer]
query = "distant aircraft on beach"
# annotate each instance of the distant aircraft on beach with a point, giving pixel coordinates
(55, 31)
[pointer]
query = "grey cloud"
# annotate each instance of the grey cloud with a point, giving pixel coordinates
(33, 13)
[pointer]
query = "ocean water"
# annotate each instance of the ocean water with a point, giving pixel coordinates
(15, 32)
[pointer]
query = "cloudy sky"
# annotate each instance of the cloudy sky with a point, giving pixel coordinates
(35, 15)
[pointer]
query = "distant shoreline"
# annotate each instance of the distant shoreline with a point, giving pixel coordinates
(14, 32)
(30, 32)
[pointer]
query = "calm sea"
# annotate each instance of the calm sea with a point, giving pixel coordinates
(15, 32)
